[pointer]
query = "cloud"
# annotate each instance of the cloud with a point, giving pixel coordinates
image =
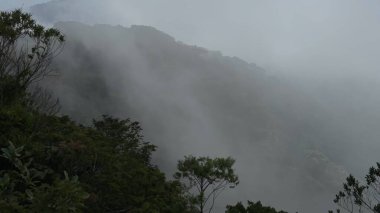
(281, 35)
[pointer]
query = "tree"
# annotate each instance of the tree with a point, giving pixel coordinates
(251, 208)
(26, 52)
(122, 178)
(358, 197)
(206, 178)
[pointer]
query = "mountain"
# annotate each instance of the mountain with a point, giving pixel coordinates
(345, 82)
(190, 100)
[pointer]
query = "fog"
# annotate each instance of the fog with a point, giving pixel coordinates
(287, 36)
(322, 53)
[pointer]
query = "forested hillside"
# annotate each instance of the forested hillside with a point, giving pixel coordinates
(49, 163)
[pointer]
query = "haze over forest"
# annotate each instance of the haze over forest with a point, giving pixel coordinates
(289, 89)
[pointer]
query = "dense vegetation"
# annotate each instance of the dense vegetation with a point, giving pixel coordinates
(57, 165)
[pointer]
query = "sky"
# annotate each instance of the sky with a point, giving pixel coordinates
(25, 4)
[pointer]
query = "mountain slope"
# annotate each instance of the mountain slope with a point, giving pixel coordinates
(194, 101)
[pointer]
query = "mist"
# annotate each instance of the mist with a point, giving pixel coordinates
(312, 84)
(329, 48)
(284, 36)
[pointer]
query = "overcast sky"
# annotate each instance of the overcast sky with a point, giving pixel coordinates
(11, 4)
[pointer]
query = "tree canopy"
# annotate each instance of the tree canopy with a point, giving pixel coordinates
(206, 178)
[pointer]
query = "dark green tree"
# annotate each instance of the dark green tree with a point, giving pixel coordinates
(205, 178)
(358, 197)
(252, 207)
(122, 178)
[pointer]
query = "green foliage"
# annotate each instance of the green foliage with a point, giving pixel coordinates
(206, 178)
(68, 193)
(111, 161)
(126, 136)
(251, 208)
(359, 197)
(121, 177)
(25, 187)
